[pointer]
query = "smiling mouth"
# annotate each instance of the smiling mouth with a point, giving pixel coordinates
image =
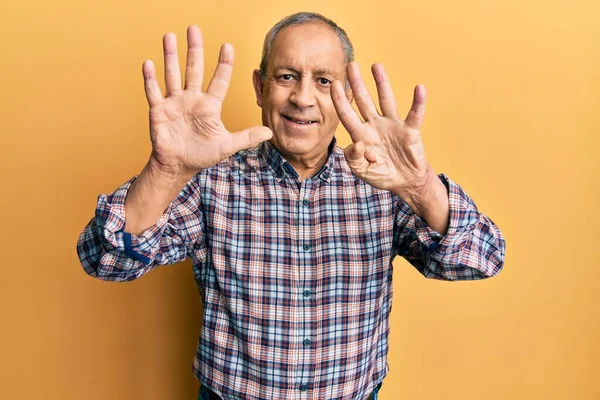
(299, 121)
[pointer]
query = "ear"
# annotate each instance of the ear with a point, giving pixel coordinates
(349, 94)
(258, 86)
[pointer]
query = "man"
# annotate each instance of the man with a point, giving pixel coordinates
(292, 239)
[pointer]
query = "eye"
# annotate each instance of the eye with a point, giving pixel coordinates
(324, 81)
(286, 77)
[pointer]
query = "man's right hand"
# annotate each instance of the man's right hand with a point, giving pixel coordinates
(185, 128)
(185, 125)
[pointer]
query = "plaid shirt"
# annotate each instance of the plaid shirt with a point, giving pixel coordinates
(296, 277)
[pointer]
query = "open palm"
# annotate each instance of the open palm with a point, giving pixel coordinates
(387, 152)
(185, 125)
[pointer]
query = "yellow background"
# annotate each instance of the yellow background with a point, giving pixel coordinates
(512, 115)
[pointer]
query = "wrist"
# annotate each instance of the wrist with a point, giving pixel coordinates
(423, 193)
(166, 177)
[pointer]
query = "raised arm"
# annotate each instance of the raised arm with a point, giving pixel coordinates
(387, 152)
(438, 227)
(185, 128)
(156, 218)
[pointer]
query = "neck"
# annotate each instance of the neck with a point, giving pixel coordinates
(307, 167)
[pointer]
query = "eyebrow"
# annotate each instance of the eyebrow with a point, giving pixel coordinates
(320, 71)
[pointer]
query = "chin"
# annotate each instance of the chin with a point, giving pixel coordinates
(293, 146)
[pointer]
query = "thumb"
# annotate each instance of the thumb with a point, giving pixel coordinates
(248, 139)
(355, 152)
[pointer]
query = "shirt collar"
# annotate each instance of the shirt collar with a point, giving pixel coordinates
(281, 167)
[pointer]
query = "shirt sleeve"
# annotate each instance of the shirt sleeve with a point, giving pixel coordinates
(473, 247)
(107, 252)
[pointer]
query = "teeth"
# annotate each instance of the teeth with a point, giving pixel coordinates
(299, 122)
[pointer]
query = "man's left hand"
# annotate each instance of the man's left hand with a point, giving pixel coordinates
(387, 152)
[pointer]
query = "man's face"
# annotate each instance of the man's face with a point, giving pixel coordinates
(296, 105)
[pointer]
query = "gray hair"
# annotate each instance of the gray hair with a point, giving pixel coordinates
(300, 19)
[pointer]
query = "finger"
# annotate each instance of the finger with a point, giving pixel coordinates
(417, 110)
(172, 71)
(153, 93)
(371, 154)
(361, 94)
(345, 112)
(387, 102)
(355, 152)
(220, 81)
(247, 139)
(194, 68)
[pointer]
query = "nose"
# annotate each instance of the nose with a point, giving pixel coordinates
(303, 94)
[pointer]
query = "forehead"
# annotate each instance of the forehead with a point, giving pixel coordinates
(312, 46)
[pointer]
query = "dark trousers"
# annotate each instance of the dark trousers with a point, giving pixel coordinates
(207, 394)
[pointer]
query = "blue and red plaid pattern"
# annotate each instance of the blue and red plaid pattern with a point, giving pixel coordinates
(295, 277)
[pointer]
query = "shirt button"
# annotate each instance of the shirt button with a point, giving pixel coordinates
(306, 247)
(306, 342)
(306, 293)
(305, 202)
(432, 247)
(304, 388)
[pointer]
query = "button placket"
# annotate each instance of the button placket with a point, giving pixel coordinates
(305, 376)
